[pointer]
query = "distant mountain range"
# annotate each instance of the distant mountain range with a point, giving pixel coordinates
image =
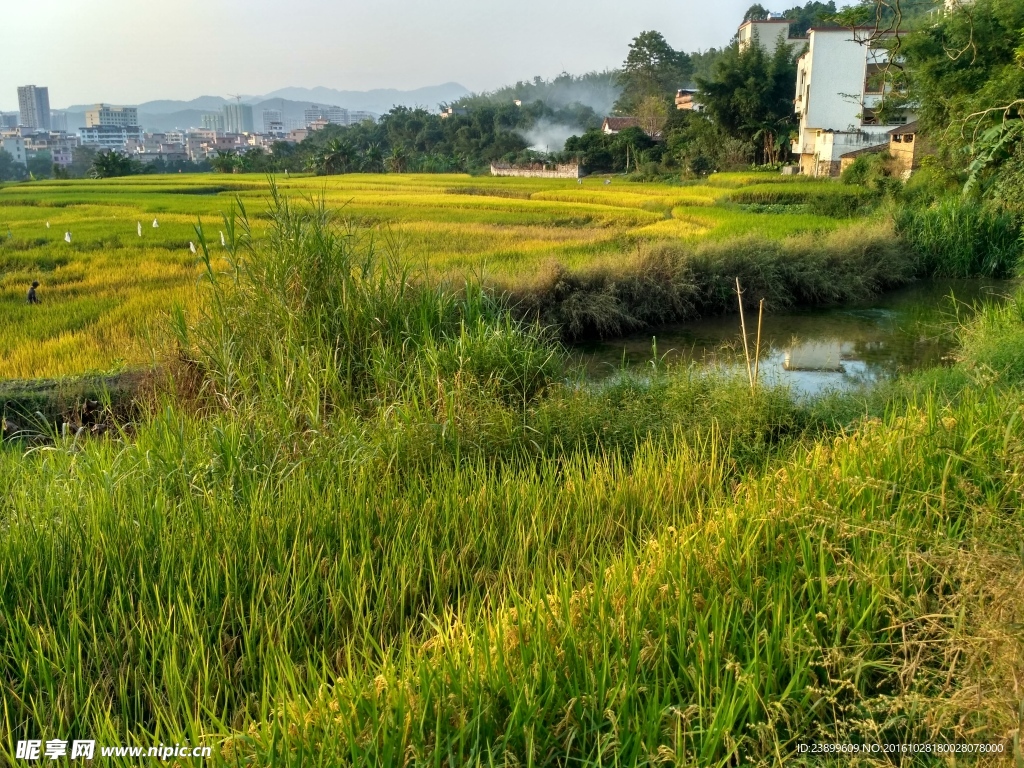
(165, 115)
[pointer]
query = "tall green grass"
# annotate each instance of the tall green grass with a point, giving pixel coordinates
(961, 238)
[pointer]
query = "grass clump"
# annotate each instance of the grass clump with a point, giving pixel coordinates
(957, 237)
(668, 282)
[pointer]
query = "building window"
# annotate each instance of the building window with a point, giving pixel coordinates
(874, 79)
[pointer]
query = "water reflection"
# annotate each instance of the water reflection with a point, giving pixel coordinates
(815, 350)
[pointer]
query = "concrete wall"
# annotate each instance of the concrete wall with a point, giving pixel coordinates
(834, 69)
(559, 172)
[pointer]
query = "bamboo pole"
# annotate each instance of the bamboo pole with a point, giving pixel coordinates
(743, 327)
(757, 347)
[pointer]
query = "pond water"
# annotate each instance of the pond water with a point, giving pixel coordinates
(814, 350)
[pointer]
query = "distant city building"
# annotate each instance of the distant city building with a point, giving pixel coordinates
(238, 118)
(8, 120)
(109, 136)
(59, 121)
(357, 117)
(34, 106)
(62, 156)
(335, 115)
(213, 122)
(273, 121)
(104, 115)
(15, 147)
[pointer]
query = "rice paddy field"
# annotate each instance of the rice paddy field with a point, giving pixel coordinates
(360, 519)
(106, 294)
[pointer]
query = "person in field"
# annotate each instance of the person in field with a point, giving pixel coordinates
(32, 298)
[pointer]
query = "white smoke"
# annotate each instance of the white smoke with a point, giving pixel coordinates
(547, 136)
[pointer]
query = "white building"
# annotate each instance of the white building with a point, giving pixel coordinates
(769, 33)
(15, 147)
(355, 117)
(335, 115)
(273, 121)
(34, 106)
(105, 115)
(109, 136)
(839, 90)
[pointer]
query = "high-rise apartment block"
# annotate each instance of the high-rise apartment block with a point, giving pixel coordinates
(273, 121)
(335, 115)
(34, 105)
(238, 118)
(213, 121)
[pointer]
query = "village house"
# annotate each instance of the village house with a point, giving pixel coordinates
(613, 125)
(839, 91)
(769, 33)
(686, 99)
(907, 147)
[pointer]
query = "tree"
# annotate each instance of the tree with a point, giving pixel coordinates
(9, 169)
(224, 162)
(81, 162)
(652, 112)
(40, 166)
(652, 68)
(110, 164)
(751, 95)
(755, 12)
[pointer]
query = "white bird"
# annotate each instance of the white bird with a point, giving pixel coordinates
(223, 242)
(191, 246)
(155, 225)
(67, 237)
(47, 225)
(139, 227)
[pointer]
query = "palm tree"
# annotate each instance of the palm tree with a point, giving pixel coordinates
(398, 160)
(773, 135)
(373, 158)
(337, 157)
(107, 165)
(224, 162)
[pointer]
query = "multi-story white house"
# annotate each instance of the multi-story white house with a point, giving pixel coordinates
(769, 33)
(839, 90)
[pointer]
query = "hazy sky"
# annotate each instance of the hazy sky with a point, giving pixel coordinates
(130, 51)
